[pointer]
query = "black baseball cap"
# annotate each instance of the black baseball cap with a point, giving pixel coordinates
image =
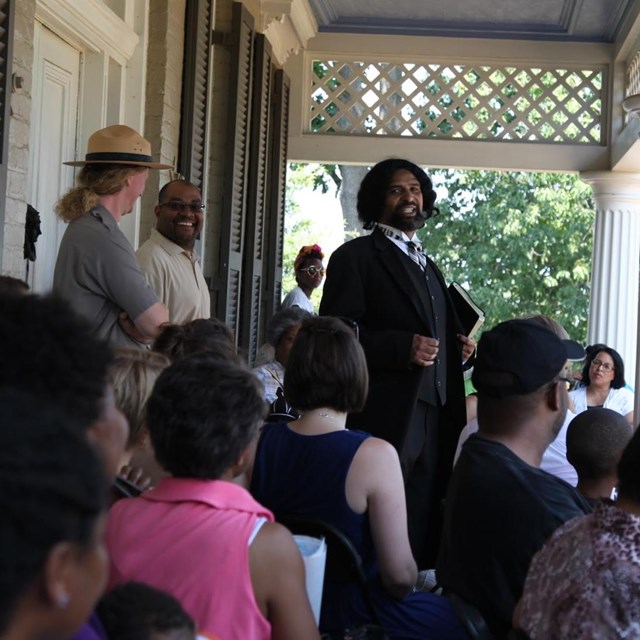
(519, 356)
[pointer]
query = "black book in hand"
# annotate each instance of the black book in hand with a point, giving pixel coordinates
(470, 314)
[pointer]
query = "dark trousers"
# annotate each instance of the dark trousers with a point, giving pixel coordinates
(419, 460)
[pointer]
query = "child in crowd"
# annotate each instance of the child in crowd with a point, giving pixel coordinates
(584, 582)
(136, 611)
(595, 442)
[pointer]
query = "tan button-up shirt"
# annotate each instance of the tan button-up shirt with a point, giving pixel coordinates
(175, 275)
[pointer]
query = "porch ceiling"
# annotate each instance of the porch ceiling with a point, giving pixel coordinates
(560, 20)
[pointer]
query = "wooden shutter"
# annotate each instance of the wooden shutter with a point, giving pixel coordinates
(277, 181)
(249, 334)
(192, 161)
(237, 155)
(7, 9)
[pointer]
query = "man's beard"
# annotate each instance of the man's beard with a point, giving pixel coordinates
(408, 224)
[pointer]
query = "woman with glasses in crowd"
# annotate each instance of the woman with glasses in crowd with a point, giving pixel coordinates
(309, 274)
(604, 383)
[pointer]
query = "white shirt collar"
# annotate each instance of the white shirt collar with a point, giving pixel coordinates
(402, 235)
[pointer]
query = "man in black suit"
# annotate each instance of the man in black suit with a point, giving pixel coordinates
(410, 334)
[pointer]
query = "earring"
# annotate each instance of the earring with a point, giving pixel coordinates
(63, 600)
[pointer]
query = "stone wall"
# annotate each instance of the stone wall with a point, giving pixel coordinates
(18, 157)
(163, 94)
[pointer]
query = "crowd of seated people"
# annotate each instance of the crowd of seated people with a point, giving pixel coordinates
(584, 583)
(554, 459)
(314, 467)
(212, 542)
(192, 546)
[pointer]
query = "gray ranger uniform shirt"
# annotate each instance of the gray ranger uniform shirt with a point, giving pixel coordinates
(97, 272)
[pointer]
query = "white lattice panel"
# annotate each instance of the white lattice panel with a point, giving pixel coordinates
(633, 76)
(480, 102)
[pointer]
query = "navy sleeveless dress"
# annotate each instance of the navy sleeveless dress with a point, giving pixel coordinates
(305, 476)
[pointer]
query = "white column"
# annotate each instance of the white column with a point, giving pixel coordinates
(615, 275)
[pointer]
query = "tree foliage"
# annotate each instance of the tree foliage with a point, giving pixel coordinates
(302, 228)
(520, 242)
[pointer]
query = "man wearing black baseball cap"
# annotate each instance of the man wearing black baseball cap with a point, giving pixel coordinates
(501, 507)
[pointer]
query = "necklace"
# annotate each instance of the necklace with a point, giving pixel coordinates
(327, 414)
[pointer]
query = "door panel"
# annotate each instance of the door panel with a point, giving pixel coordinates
(56, 73)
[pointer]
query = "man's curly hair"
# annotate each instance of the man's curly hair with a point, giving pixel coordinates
(373, 189)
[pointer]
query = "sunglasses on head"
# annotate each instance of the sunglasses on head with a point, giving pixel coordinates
(313, 270)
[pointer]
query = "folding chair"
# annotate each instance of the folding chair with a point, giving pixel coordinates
(344, 563)
(470, 618)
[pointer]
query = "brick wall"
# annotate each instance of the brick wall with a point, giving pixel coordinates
(18, 159)
(163, 95)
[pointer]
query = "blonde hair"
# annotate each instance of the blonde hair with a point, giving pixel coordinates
(132, 374)
(94, 181)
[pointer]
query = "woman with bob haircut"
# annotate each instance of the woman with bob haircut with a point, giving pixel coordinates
(315, 468)
(604, 383)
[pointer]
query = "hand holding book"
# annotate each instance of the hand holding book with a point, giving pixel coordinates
(470, 314)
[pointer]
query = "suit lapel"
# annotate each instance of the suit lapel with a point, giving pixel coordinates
(407, 276)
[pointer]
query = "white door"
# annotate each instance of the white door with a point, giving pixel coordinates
(54, 113)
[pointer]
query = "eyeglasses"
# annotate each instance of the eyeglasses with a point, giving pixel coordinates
(313, 270)
(182, 207)
(605, 365)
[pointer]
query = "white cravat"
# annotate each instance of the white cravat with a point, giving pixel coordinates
(411, 247)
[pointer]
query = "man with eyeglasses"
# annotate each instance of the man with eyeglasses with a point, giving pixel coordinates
(501, 507)
(168, 258)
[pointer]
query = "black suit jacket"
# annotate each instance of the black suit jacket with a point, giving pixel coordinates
(371, 281)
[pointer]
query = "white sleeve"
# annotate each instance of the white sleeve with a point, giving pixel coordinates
(622, 401)
(470, 428)
(579, 397)
(260, 521)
